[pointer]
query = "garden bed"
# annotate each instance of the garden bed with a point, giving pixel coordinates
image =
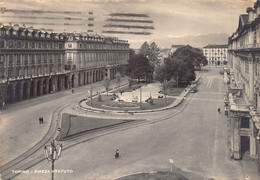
(108, 104)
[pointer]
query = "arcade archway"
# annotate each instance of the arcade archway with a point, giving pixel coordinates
(25, 87)
(9, 93)
(72, 81)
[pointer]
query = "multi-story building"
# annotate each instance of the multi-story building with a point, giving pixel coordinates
(31, 63)
(215, 54)
(90, 58)
(34, 63)
(244, 90)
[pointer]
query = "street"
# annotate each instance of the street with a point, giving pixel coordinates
(195, 138)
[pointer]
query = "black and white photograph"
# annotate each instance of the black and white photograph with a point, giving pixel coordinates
(129, 89)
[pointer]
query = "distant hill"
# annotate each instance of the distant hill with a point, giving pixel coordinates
(195, 41)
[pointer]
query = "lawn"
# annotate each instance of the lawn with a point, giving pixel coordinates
(169, 91)
(72, 125)
(174, 91)
(108, 104)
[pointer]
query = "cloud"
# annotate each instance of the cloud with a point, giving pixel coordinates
(172, 18)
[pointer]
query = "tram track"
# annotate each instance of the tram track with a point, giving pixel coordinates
(5, 170)
(26, 161)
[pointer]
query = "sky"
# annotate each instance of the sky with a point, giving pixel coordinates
(171, 18)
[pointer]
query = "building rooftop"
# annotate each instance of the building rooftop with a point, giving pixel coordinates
(216, 46)
(40, 33)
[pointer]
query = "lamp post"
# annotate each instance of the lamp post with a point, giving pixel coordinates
(141, 98)
(52, 153)
(91, 91)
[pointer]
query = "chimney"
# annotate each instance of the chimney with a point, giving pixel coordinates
(257, 7)
(16, 27)
(250, 12)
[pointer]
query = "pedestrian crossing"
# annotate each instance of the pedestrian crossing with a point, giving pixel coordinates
(209, 80)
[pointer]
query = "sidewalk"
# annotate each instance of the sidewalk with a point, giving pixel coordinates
(20, 128)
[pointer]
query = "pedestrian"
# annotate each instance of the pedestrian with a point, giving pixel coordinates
(72, 90)
(117, 154)
(40, 120)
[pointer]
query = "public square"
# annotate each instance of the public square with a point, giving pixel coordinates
(130, 89)
(193, 134)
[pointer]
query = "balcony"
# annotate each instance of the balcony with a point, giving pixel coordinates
(239, 105)
(246, 46)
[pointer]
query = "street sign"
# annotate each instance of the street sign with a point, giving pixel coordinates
(171, 162)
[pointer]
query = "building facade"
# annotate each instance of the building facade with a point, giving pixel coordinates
(216, 54)
(34, 63)
(90, 58)
(31, 63)
(243, 96)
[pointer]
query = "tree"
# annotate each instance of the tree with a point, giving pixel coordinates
(151, 52)
(106, 83)
(193, 56)
(181, 65)
(144, 49)
(140, 68)
(153, 55)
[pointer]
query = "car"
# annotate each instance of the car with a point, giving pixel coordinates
(193, 90)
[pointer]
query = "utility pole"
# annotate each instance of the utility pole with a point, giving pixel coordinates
(91, 89)
(140, 97)
(177, 81)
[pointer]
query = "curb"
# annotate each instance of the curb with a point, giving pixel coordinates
(134, 111)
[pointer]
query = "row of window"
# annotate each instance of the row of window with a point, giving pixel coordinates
(217, 58)
(244, 42)
(98, 46)
(31, 59)
(216, 54)
(31, 44)
(216, 50)
(26, 71)
(102, 56)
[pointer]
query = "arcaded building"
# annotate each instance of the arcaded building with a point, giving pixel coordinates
(216, 54)
(90, 58)
(31, 63)
(244, 90)
(34, 62)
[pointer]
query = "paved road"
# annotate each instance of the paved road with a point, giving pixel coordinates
(19, 125)
(196, 139)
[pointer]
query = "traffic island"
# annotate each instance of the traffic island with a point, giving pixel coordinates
(73, 126)
(107, 102)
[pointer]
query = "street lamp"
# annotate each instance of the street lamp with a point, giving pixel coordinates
(52, 152)
(141, 98)
(91, 91)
